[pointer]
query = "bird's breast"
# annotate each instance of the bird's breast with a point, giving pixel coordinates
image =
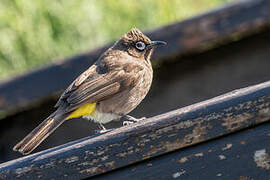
(127, 100)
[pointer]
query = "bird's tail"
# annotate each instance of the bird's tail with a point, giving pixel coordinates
(40, 133)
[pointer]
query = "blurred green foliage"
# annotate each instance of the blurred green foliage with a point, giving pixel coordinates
(34, 33)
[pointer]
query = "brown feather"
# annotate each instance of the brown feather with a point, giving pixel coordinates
(33, 139)
(92, 86)
(117, 82)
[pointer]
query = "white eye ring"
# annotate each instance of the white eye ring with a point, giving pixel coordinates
(140, 45)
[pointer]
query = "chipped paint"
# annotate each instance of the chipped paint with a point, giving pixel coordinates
(196, 135)
(262, 159)
(72, 159)
(199, 154)
(100, 153)
(222, 157)
(110, 165)
(133, 169)
(243, 142)
(89, 163)
(186, 124)
(21, 171)
(50, 164)
(172, 135)
(179, 173)
(149, 164)
(155, 136)
(125, 153)
(264, 114)
(186, 158)
(183, 159)
(104, 158)
(236, 122)
(228, 146)
(90, 170)
(192, 138)
(219, 174)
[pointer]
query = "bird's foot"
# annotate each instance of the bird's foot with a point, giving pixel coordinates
(130, 119)
(102, 129)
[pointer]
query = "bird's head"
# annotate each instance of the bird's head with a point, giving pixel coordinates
(138, 45)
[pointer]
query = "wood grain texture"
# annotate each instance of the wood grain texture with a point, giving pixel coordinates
(241, 156)
(154, 136)
(197, 34)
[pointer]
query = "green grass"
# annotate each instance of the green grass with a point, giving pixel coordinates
(35, 33)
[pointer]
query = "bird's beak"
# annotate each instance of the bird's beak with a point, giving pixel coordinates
(156, 43)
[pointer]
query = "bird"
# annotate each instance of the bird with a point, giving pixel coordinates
(108, 90)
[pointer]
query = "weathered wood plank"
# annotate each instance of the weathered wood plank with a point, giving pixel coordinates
(152, 137)
(196, 34)
(240, 156)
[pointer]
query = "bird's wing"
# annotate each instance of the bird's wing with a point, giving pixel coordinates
(98, 83)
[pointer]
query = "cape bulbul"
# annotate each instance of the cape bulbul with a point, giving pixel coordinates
(108, 90)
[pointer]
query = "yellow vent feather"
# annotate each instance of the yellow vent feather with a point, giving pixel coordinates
(84, 110)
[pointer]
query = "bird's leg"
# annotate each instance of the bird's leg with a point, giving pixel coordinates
(130, 119)
(102, 129)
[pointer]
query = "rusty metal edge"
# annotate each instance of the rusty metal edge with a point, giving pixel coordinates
(154, 136)
(200, 33)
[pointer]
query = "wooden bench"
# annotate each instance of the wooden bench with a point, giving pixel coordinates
(211, 137)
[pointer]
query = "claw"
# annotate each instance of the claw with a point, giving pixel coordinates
(130, 119)
(126, 123)
(102, 129)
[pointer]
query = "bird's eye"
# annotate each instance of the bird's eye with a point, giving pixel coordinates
(140, 45)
